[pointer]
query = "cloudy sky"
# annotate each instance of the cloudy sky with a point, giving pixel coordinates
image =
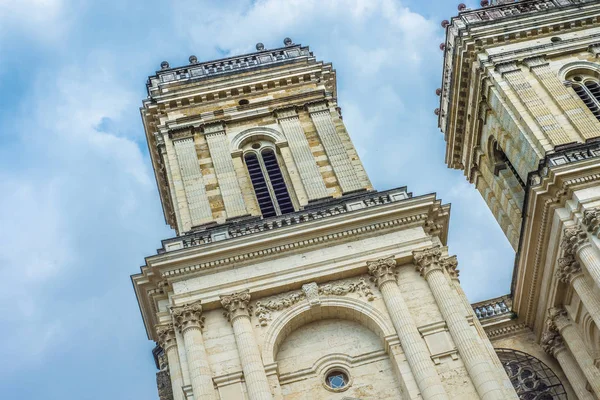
(78, 205)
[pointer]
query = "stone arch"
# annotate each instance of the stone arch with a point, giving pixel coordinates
(259, 132)
(574, 67)
(341, 308)
(530, 376)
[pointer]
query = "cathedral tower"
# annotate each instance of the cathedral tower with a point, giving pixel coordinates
(520, 113)
(290, 277)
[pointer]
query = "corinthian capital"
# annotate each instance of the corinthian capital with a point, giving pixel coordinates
(382, 270)
(188, 316)
(236, 305)
(166, 336)
(428, 260)
(558, 318)
(568, 268)
(552, 342)
(450, 264)
(572, 240)
(591, 219)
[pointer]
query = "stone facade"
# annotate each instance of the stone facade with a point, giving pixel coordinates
(520, 120)
(349, 293)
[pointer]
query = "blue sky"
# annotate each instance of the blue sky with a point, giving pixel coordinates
(78, 205)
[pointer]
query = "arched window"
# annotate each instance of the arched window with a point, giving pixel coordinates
(531, 378)
(588, 89)
(267, 179)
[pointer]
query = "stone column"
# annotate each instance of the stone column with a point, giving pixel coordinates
(451, 264)
(218, 145)
(560, 322)
(306, 163)
(569, 271)
(167, 340)
(477, 362)
(576, 243)
(188, 321)
(257, 383)
(554, 345)
(417, 354)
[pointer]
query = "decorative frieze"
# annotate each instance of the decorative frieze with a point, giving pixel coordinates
(311, 293)
(188, 316)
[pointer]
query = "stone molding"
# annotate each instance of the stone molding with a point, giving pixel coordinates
(286, 112)
(214, 127)
(595, 49)
(311, 293)
(573, 239)
(316, 106)
(295, 245)
(428, 260)
(382, 270)
(188, 316)
(568, 269)
(166, 336)
(236, 305)
(536, 61)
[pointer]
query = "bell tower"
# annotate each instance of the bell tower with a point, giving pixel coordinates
(230, 141)
(289, 276)
(520, 113)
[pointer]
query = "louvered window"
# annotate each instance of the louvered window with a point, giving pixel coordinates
(589, 93)
(269, 184)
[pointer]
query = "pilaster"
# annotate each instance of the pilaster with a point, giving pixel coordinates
(218, 145)
(583, 121)
(334, 148)
(304, 159)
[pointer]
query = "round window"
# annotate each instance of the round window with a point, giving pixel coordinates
(256, 146)
(337, 380)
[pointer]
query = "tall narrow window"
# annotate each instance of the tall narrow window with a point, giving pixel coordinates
(588, 91)
(267, 179)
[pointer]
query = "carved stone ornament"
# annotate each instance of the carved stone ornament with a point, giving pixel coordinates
(236, 305)
(428, 260)
(382, 270)
(166, 336)
(163, 384)
(450, 264)
(188, 316)
(573, 238)
(568, 268)
(310, 291)
(591, 219)
(552, 342)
